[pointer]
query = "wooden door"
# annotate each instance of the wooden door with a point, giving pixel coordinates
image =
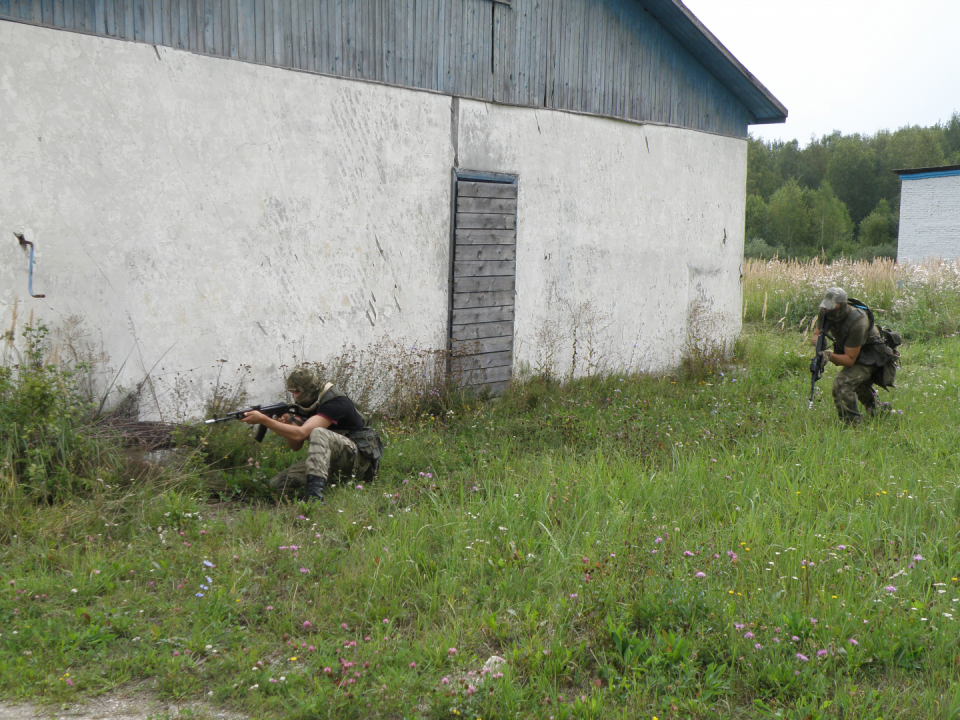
(483, 280)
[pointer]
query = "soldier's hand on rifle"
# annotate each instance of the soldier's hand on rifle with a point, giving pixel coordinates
(254, 417)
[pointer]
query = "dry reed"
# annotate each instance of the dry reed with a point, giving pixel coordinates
(923, 298)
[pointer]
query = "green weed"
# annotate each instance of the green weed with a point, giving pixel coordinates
(629, 546)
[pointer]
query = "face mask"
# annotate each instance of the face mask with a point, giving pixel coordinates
(836, 313)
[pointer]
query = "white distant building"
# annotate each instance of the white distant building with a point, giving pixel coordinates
(929, 213)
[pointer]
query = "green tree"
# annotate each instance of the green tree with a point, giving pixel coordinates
(908, 147)
(787, 159)
(762, 177)
(853, 171)
(756, 217)
(829, 218)
(950, 139)
(878, 227)
(788, 219)
(912, 147)
(812, 164)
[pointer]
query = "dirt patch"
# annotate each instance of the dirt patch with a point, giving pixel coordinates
(140, 705)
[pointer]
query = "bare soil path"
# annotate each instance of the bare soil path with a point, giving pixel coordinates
(136, 704)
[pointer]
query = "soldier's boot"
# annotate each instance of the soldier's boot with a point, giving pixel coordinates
(315, 488)
(878, 408)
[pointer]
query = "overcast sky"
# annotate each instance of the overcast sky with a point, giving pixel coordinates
(857, 66)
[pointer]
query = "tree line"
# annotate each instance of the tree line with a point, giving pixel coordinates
(838, 195)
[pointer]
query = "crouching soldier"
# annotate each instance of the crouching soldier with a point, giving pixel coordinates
(342, 445)
(860, 351)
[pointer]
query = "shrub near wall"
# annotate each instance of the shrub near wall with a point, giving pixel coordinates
(922, 301)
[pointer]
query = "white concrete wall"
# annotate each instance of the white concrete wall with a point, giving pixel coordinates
(929, 219)
(193, 210)
(623, 232)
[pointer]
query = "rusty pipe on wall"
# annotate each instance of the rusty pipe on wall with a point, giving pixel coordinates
(23, 243)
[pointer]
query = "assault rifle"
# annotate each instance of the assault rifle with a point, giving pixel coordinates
(273, 411)
(819, 362)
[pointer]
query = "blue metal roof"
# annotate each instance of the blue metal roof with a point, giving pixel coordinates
(929, 172)
(696, 39)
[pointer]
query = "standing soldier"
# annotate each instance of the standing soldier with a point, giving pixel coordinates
(342, 445)
(858, 349)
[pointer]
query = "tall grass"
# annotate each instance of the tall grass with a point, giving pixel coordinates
(920, 300)
(630, 547)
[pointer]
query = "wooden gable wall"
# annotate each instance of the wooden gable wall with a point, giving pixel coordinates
(603, 57)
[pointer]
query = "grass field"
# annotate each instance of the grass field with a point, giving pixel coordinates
(631, 547)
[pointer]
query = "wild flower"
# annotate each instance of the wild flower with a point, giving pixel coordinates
(658, 540)
(687, 553)
(413, 665)
(890, 588)
(748, 635)
(700, 575)
(822, 653)
(918, 558)
(307, 624)
(452, 651)
(853, 641)
(802, 658)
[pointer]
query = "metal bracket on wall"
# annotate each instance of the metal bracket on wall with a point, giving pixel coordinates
(23, 243)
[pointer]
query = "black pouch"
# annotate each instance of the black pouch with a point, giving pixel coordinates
(370, 446)
(885, 375)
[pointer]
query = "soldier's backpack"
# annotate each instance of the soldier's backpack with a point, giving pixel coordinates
(885, 374)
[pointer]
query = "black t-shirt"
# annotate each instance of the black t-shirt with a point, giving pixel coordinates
(342, 414)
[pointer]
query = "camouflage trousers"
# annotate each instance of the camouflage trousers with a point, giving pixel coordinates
(851, 384)
(330, 456)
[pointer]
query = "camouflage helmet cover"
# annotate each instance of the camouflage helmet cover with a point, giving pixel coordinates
(303, 380)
